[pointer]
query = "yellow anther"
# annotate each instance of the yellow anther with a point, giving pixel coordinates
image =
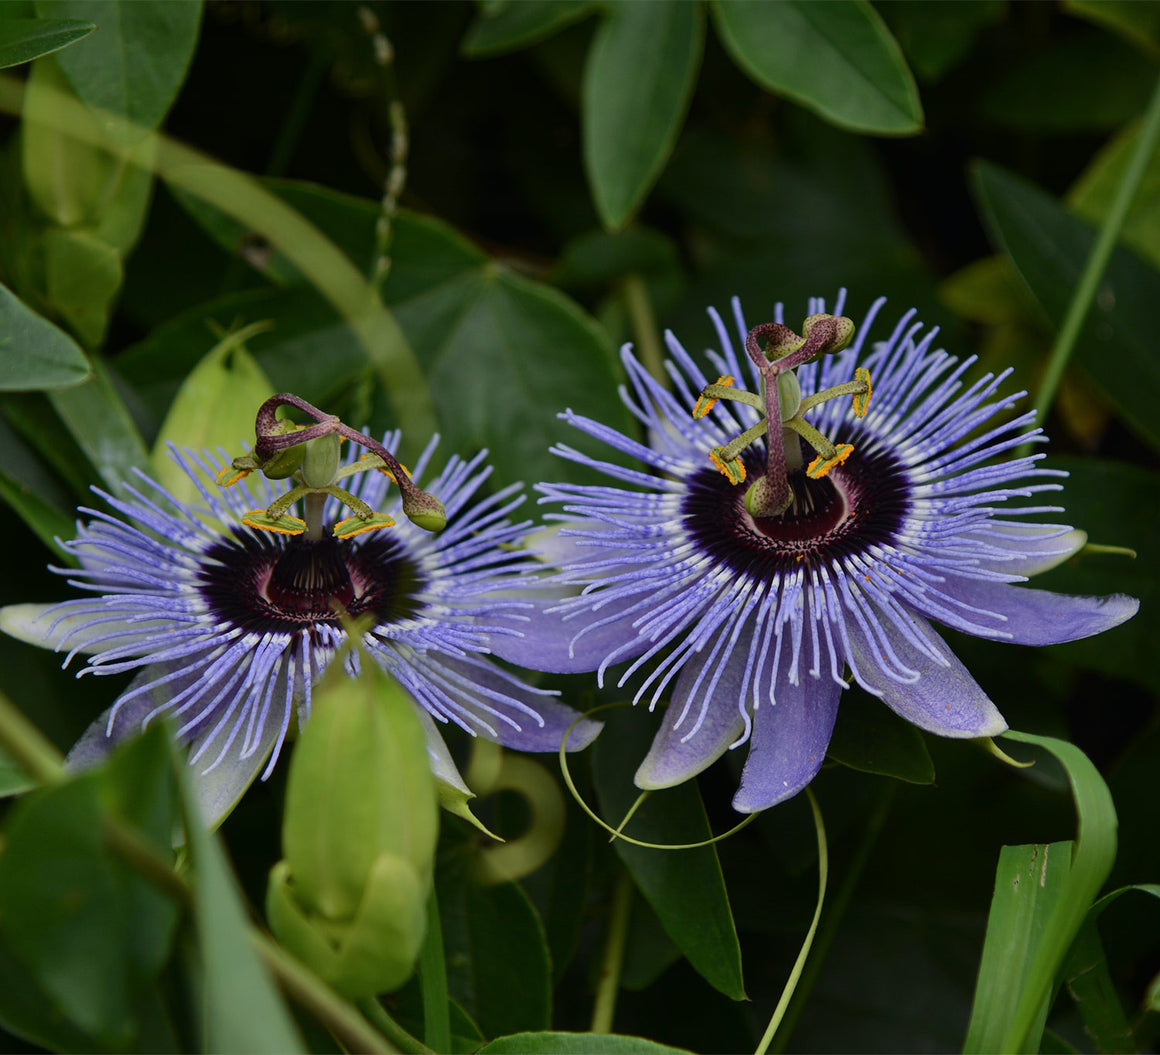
(283, 525)
(820, 466)
(231, 475)
(862, 399)
(357, 525)
(734, 468)
(704, 403)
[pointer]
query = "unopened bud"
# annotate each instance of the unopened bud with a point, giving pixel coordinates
(359, 833)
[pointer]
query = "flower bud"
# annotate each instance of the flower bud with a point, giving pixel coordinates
(361, 822)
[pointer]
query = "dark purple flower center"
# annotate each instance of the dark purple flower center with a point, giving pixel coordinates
(266, 583)
(859, 504)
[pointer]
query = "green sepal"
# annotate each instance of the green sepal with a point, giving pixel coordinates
(455, 800)
(374, 952)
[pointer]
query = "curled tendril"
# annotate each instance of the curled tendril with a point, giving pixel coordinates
(615, 832)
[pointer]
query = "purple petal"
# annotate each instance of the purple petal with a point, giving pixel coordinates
(1031, 550)
(943, 698)
(502, 693)
(678, 753)
(789, 741)
(551, 643)
(216, 789)
(1040, 617)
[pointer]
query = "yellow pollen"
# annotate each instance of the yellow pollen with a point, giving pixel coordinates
(230, 476)
(862, 399)
(704, 404)
(733, 469)
(341, 530)
(820, 466)
(283, 525)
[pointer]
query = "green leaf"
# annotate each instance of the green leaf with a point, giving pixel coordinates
(520, 25)
(90, 932)
(1084, 82)
(838, 59)
(1029, 884)
(1092, 194)
(33, 352)
(137, 62)
(215, 407)
(99, 421)
(13, 779)
(502, 353)
(83, 277)
(242, 1009)
(498, 965)
(685, 888)
(936, 38)
(870, 738)
(638, 81)
(1136, 22)
(25, 39)
(574, 1044)
(1116, 504)
(1090, 983)
(1049, 247)
(1031, 927)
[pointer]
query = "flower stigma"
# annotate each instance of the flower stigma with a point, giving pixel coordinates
(776, 351)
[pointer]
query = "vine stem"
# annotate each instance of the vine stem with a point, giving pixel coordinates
(607, 989)
(1097, 261)
(792, 981)
(834, 917)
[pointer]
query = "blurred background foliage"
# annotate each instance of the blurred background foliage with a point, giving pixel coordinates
(578, 175)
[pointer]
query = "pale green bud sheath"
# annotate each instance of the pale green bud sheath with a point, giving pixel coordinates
(359, 834)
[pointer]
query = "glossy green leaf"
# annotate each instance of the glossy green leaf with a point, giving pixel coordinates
(574, 1044)
(25, 39)
(498, 964)
(1092, 194)
(872, 739)
(96, 416)
(520, 25)
(242, 1009)
(1117, 505)
(1049, 247)
(638, 81)
(838, 59)
(1134, 21)
(90, 932)
(33, 352)
(685, 888)
(503, 354)
(1033, 923)
(137, 62)
(215, 407)
(1090, 984)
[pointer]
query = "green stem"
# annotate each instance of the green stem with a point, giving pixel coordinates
(834, 917)
(433, 981)
(391, 1029)
(1097, 261)
(27, 746)
(799, 963)
(608, 987)
(644, 326)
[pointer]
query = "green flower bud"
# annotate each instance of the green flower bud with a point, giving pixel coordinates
(361, 822)
(320, 463)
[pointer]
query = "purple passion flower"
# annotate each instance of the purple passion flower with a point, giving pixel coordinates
(753, 620)
(229, 628)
